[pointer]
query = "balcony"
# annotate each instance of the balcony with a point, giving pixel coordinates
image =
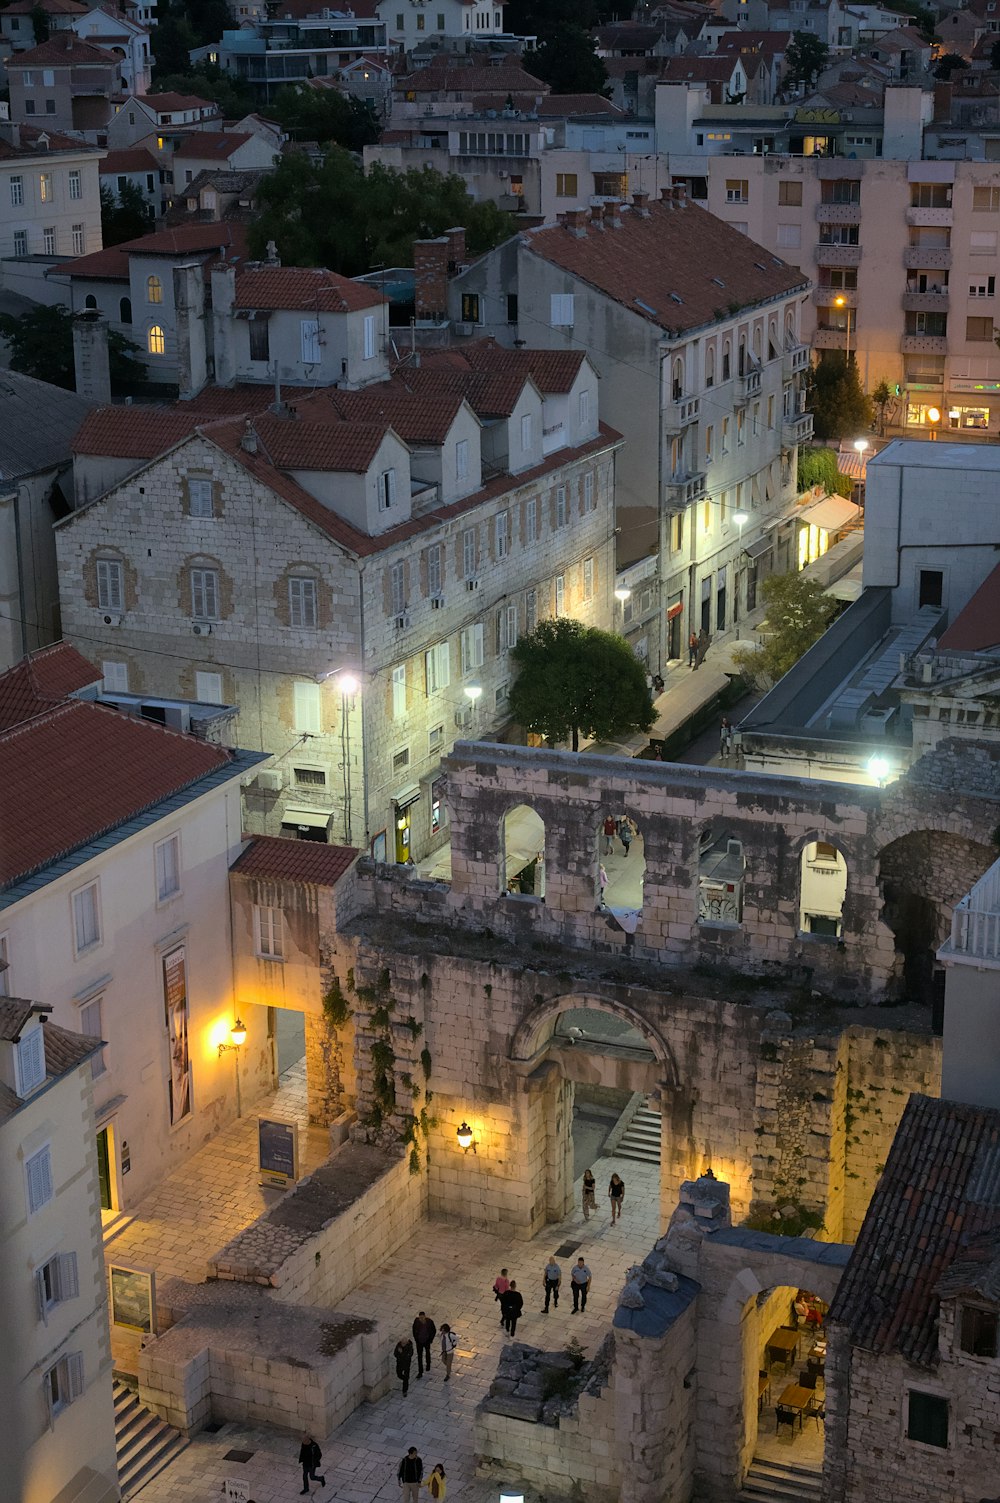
(837, 255)
(924, 344)
(925, 302)
(926, 217)
(746, 387)
(831, 339)
(684, 490)
(927, 258)
(975, 922)
(794, 361)
(838, 213)
(827, 297)
(796, 430)
(680, 414)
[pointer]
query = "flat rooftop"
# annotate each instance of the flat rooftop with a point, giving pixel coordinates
(917, 453)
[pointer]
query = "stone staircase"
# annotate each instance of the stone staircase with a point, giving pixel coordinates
(642, 1137)
(781, 1482)
(145, 1444)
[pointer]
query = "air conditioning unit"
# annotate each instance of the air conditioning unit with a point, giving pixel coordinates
(463, 718)
(201, 629)
(503, 176)
(437, 601)
(270, 782)
(467, 329)
(403, 621)
(113, 620)
(472, 584)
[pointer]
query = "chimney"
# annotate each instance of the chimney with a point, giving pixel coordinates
(667, 197)
(640, 203)
(189, 315)
(91, 360)
(456, 250)
(613, 216)
(576, 222)
(680, 195)
(430, 277)
(271, 257)
(248, 443)
(597, 216)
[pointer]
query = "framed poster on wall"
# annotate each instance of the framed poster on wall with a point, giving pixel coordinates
(278, 1153)
(132, 1293)
(175, 1002)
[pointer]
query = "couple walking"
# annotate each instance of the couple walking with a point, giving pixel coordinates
(424, 1332)
(411, 1475)
(623, 827)
(616, 1195)
(511, 1301)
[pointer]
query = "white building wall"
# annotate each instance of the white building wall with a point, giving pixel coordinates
(23, 211)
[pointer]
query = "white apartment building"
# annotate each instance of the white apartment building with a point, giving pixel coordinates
(114, 907)
(408, 533)
(409, 23)
(106, 26)
(50, 197)
(58, 1407)
(696, 331)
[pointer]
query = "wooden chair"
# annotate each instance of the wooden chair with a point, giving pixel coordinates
(807, 1378)
(783, 1416)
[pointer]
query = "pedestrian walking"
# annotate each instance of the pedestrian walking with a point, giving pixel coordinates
(626, 829)
(616, 1195)
(403, 1353)
(511, 1303)
(410, 1475)
(602, 881)
(435, 1483)
(552, 1278)
(424, 1331)
(609, 835)
(589, 1193)
(693, 650)
(449, 1341)
(500, 1286)
(580, 1281)
(703, 643)
(310, 1457)
(725, 737)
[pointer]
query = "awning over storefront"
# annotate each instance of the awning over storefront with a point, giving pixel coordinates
(758, 548)
(406, 796)
(832, 513)
(310, 817)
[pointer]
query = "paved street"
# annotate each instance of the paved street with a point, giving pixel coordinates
(449, 1272)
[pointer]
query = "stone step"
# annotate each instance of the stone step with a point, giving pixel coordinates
(647, 1134)
(643, 1155)
(145, 1444)
(781, 1482)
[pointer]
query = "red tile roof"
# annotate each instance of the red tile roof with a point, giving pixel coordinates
(551, 370)
(50, 7)
(457, 76)
(134, 432)
(939, 1191)
(662, 267)
(213, 145)
(418, 418)
(82, 769)
(279, 859)
(29, 146)
(168, 104)
(977, 626)
(41, 680)
(226, 240)
(699, 69)
(302, 287)
(129, 159)
(490, 394)
(64, 50)
(338, 447)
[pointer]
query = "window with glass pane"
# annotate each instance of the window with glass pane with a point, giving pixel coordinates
(75, 185)
(269, 932)
(168, 867)
(927, 1418)
(260, 339)
(110, 584)
(90, 1027)
(200, 497)
(437, 665)
(470, 553)
(205, 594)
(434, 570)
(86, 917)
(302, 601)
(16, 192)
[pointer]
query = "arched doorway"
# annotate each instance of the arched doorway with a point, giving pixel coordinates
(621, 868)
(922, 875)
(522, 853)
(822, 889)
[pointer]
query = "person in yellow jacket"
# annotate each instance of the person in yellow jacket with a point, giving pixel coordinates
(436, 1484)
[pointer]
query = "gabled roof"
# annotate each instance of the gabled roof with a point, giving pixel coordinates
(663, 267)
(42, 680)
(226, 240)
(64, 50)
(278, 859)
(341, 448)
(15, 1012)
(50, 7)
(37, 423)
(77, 771)
(938, 1194)
(489, 394)
(135, 432)
(212, 144)
(169, 104)
(302, 289)
(63, 1052)
(713, 69)
(976, 628)
(128, 159)
(32, 135)
(418, 418)
(450, 75)
(553, 371)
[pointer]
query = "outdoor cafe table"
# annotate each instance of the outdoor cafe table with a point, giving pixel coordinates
(799, 1399)
(783, 1344)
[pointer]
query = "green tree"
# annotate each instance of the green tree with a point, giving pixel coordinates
(567, 61)
(41, 345)
(574, 681)
(171, 42)
(923, 16)
(124, 216)
(325, 115)
(805, 58)
(798, 613)
(819, 467)
(836, 398)
(881, 397)
(39, 24)
(952, 62)
(379, 214)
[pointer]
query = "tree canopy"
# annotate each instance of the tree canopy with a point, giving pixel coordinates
(819, 467)
(952, 62)
(805, 58)
(324, 115)
(379, 214)
(574, 680)
(125, 215)
(836, 399)
(208, 81)
(798, 613)
(41, 345)
(565, 57)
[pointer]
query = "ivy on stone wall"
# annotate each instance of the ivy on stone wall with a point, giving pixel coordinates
(413, 1126)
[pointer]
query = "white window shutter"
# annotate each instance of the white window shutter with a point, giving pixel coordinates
(391, 486)
(477, 631)
(74, 1376)
(68, 1276)
(40, 1295)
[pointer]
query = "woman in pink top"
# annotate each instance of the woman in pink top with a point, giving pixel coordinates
(500, 1286)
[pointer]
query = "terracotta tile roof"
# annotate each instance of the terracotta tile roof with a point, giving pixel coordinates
(227, 401)
(338, 447)
(50, 7)
(661, 267)
(109, 265)
(699, 69)
(41, 680)
(64, 50)
(627, 34)
(977, 626)
(14, 1013)
(81, 769)
(939, 1192)
(134, 432)
(303, 287)
(63, 1050)
(765, 42)
(228, 241)
(129, 159)
(213, 145)
(418, 418)
(279, 859)
(168, 104)
(577, 104)
(457, 76)
(489, 394)
(551, 370)
(29, 146)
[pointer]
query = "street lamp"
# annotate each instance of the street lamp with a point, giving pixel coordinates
(741, 518)
(861, 444)
(473, 693)
(238, 1034)
(622, 594)
(842, 302)
(878, 769)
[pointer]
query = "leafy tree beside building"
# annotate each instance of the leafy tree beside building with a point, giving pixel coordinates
(575, 680)
(798, 612)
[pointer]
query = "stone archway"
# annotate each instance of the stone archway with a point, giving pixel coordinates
(922, 875)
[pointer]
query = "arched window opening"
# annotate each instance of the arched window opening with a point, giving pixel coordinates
(721, 878)
(125, 310)
(90, 302)
(156, 343)
(726, 361)
(741, 368)
(822, 889)
(522, 867)
(621, 868)
(710, 366)
(772, 341)
(677, 382)
(154, 290)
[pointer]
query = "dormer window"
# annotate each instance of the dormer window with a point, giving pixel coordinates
(979, 1331)
(386, 489)
(30, 1061)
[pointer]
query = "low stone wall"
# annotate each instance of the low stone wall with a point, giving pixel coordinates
(229, 1358)
(330, 1231)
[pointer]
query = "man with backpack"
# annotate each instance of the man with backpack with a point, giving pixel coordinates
(310, 1457)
